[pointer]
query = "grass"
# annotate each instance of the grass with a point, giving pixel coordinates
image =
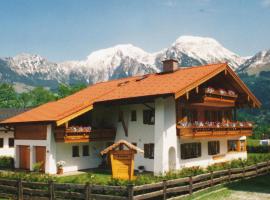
(256, 186)
(102, 178)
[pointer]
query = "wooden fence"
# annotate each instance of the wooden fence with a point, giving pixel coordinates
(18, 189)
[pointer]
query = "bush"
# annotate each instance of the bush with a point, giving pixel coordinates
(26, 176)
(6, 162)
(258, 149)
(37, 166)
(219, 166)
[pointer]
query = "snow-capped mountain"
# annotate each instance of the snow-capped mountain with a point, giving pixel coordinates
(257, 63)
(114, 62)
(204, 50)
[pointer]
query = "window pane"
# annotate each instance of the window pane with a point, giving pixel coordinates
(149, 117)
(232, 145)
(11, 142)
(152, 147)
(146, 150)
(1, 142)
(85, 150)
(213, 147)
(75, 151)
(190, 150)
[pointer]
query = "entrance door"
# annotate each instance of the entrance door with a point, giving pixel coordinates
(41, 156)
(24, 157)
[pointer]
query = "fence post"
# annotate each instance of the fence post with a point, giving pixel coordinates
(190, 185)
(87, 188)
(164, 189)
(256, 165)
(130, 189)
(230, 174)
(20, 189)
(268, 166)
(212, 177)
(244, 172)
(51, 190)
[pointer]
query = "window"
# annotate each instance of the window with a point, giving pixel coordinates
(213, 147)
(191, 115)
(149, 117)
(149, 150)
(213, 116)
(232, 145)
(85, 150)
(190, 150)
(1, 142)
(133, 116)
(75, 151)
(11, 142)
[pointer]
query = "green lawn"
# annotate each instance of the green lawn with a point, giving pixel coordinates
(255, 188)
(97, 177)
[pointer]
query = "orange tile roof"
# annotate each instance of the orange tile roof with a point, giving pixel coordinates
(138, 86)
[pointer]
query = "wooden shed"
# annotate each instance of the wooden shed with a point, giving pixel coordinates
(122, 159)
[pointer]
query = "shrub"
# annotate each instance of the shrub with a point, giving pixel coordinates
(6, 162)
(218, 166)
(30, 177)
(37, 166)
(258, 149)
(191, 171)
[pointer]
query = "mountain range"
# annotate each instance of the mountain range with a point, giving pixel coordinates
(27, 70)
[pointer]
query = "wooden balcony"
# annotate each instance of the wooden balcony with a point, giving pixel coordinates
(83, 134)
(244, 129)
(217, 98)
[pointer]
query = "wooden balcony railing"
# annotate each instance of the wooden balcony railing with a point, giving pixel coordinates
(212, 97)
(221, 93)
(83, 134)
(222, 130)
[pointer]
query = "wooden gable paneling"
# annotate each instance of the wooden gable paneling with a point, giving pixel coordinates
(31, 132)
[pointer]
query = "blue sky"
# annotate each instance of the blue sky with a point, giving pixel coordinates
(71, 29)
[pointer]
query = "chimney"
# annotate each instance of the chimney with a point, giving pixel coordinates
(170, 65)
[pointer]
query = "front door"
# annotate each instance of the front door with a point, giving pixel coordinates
(24, 157)
(41, 156)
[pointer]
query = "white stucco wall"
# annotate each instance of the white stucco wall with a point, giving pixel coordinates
(206, 159)
(64, 152)
(6, 150)
(137, 132)
(165, 135)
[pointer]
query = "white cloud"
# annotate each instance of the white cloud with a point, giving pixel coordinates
(266, 3)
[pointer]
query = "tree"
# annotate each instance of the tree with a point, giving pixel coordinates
(66, 90)
(39, 96)
(36, 97)
(8, 96)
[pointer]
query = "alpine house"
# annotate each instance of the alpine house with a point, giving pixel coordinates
(181, 117)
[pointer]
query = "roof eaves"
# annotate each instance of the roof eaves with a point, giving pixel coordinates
(245, 88)
(193, 85)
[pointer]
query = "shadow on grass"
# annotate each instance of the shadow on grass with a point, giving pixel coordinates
(259, 184)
